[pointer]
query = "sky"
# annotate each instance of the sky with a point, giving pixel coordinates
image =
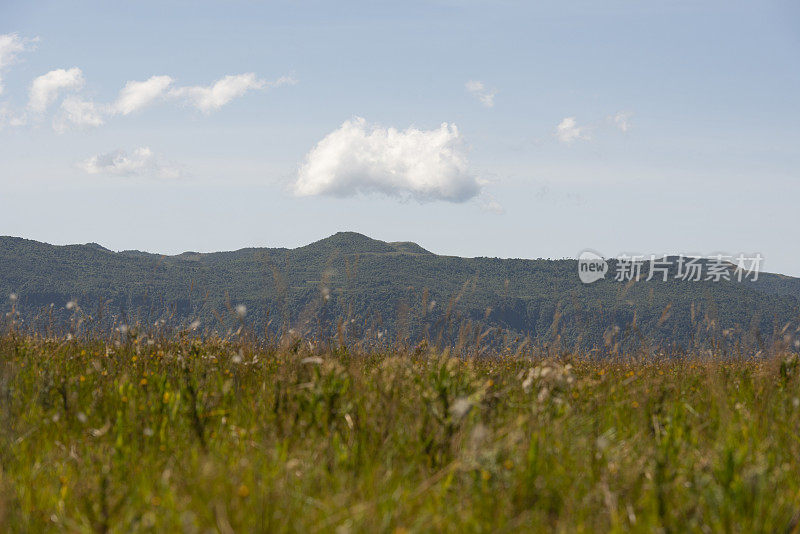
(474, 128)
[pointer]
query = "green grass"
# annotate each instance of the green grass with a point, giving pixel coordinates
(222, 436)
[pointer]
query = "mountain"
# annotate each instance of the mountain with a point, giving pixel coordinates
(365, 287)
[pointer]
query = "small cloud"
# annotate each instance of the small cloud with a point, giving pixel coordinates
(80, 113)
(568, 131)
(361, 158)
(45, 89)
(479, 91)
(622, 120)
(213, 97)
(9, 118)
(11, 45)
(137, 95)
(141, 162)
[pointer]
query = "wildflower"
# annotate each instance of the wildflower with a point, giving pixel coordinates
(13, 297)
(143, 382)
(82, 417)
(461, 407)
(635, 404)
(71, 305)
(241, 311)
(243, 491)
(82, 378)
(508, 464)
(195, 325)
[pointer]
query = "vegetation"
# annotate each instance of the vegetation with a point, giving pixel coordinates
(377, 289)
(143, 433)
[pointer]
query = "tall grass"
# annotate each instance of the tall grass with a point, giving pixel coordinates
(238, 435)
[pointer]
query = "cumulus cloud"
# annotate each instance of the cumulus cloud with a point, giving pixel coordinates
(568, 131)
(140, 162)
(621, 120)
(213, 97)
(44, 89)
(479, 91)
(362, 158)
(137, 95)
(11, 45)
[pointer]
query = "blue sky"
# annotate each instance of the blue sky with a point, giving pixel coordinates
(678, 125)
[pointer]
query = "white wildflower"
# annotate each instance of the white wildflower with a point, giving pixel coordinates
(461, 407)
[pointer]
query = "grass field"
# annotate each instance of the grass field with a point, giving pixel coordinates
(221, 436)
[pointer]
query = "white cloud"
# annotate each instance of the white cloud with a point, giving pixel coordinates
(137, 95)
(213, 97)
(361, 158)
(10, 46)
(141, 162)
(568, 131)
(44, 89)
(81, 113)
(479, 91)
(9, 118)
(622, 120)
(134, 96)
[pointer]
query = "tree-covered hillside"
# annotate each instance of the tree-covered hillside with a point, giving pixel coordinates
(349, 284)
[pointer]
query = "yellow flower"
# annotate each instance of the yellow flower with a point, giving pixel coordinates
(83, 378)
(635, 404)
(508, 464)
(243, 491)
(143, 382)
(485, 475)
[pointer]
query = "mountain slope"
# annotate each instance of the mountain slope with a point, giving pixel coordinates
(371, 286)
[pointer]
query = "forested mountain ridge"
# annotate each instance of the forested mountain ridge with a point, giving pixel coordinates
(375, 288)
